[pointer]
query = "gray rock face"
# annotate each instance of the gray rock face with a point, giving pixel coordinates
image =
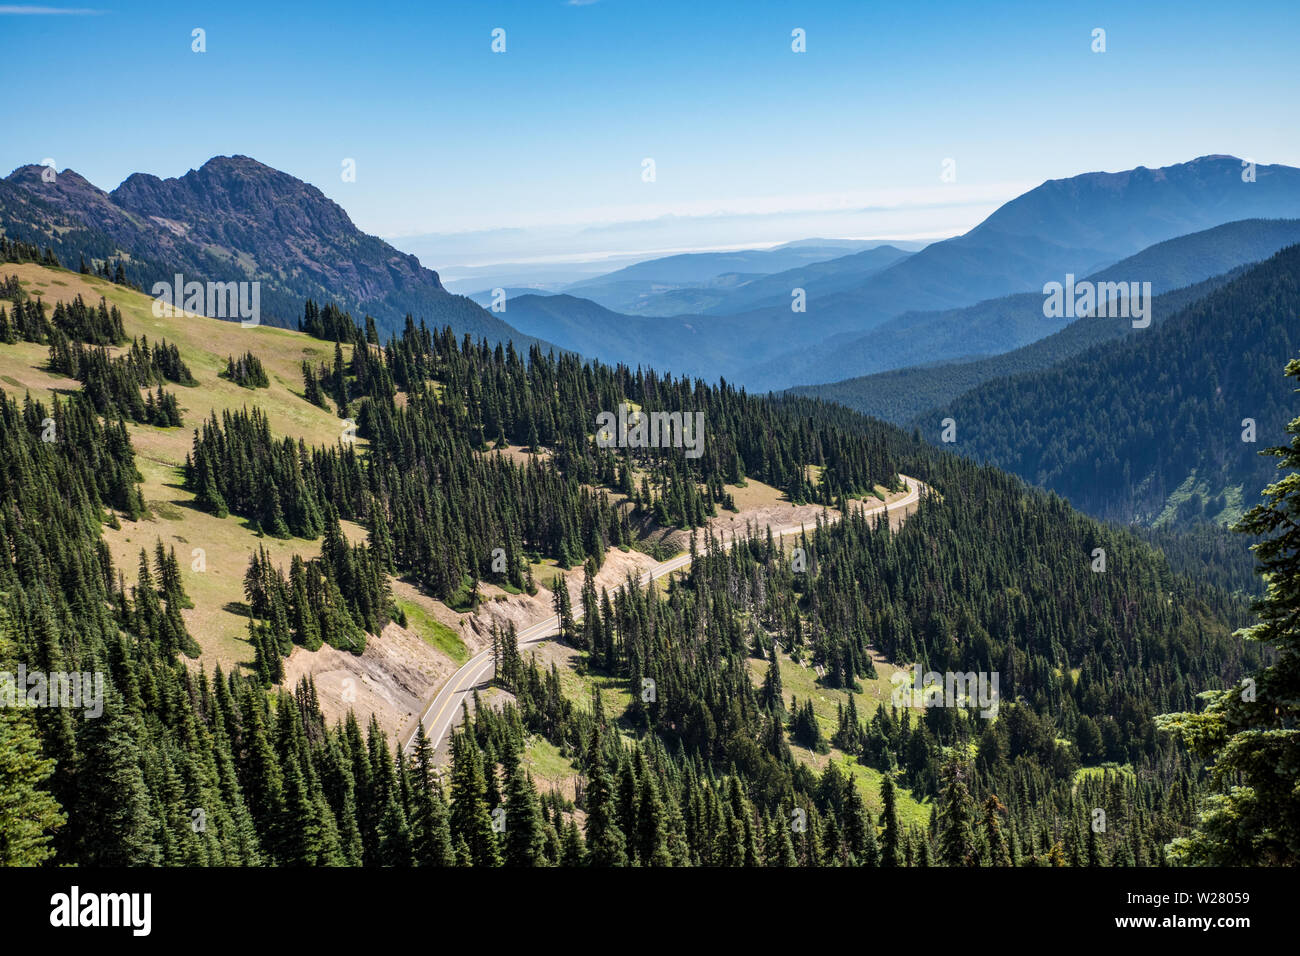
(235, 219)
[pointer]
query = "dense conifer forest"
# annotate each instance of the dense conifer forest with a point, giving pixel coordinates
(1185, 406)
(913, 394)
(989, 575)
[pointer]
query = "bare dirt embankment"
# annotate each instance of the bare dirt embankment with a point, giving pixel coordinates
(400, 669)
(761, 506)
(388, 679)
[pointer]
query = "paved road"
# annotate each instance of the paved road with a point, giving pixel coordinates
(445, 708)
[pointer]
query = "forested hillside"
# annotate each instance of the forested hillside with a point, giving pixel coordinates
(903, 395)
(717, 766)
(1180, 270)
(1161, 426)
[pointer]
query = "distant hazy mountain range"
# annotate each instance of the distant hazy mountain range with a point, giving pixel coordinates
(716, 281)
(1010, 330)
(869, 306)
(728, 282)
(235, 219)
(1079, 225)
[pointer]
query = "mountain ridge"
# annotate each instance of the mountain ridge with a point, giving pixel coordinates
(997, 328)
(1158, 426)
(235, 218)
(1078, 225)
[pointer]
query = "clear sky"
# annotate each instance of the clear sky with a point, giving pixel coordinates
(449, 137)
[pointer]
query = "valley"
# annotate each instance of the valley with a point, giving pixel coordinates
(413, 678)
(601, 440)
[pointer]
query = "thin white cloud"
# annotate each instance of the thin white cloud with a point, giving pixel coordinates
(900, 199)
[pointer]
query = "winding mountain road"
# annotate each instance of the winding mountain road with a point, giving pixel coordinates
(442, 711)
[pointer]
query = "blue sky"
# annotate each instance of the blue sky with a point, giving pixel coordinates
(549, 137)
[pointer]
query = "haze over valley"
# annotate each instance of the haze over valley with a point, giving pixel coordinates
(584, 436)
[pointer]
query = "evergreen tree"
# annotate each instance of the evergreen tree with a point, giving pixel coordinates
(891, 837)
(998, 852)
(471, 818)
(524, 834)
(1250, 732)
(29, 815)
(114, 815)
(956, 838)
(606, 843)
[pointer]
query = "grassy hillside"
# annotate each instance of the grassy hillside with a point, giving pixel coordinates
(711, 741)
(214, 552)
(205, 345)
